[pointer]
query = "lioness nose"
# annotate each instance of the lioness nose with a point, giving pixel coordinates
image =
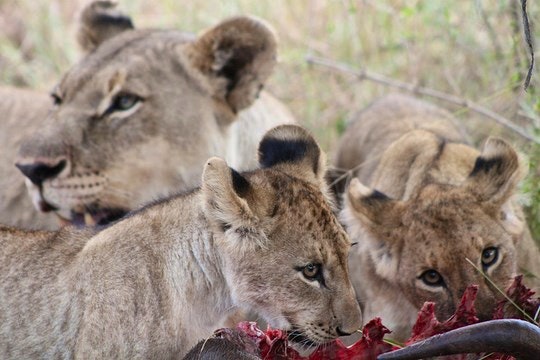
(39, 171)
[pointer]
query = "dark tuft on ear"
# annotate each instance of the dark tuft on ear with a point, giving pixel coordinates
(274, 151)
(483, 165)
(99, 22)
(496, 173)
(375, 197)
(372, 207)
(240, 184)
(288, 144)
(293, 150)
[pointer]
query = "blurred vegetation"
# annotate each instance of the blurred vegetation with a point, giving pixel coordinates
(473, 49)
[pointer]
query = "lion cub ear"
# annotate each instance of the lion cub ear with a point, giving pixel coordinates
(496, 173)
(494, 179)
(226, 195)
(373, 209)
(100, 21)
(370, 211)
(237, 56)
(292, 149)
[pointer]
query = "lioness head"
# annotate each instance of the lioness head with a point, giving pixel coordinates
(285, 253)
(421, 245)
(138, 116)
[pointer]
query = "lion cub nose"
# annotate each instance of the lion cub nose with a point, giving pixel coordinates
(40, 171)
(342, 333)
(351, 319)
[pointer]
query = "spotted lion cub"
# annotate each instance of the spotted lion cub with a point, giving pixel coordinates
(431, 203)
(154, 283)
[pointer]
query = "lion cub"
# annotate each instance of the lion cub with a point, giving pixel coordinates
(155, 282)
(432, 203)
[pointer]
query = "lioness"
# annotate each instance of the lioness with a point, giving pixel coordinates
(138, 116)
(432, 203)
(152, 284)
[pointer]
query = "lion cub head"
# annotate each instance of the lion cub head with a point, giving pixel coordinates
(139, 115)
(284, 252)
(420, 247)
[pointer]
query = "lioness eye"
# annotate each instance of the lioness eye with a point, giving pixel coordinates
(432, 278)
(124, 102)
(489, 256)
(311, 271)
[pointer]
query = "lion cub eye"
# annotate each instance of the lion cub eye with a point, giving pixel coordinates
(432, 278)
(489, 256)
(311, 271)
(123, 102)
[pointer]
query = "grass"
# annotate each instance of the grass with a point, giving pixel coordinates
(501, 291)
(473, 49)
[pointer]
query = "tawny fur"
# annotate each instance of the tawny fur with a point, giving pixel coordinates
(438, 202)
(199, 97)
(22, 111)
(153, 284)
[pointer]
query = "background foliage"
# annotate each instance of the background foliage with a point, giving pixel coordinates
(473, 49)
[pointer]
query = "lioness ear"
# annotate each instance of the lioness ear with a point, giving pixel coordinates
(292, 149)
(99, 22)
(496, 173)
(372, 208)
(227, 195)
(237, 56)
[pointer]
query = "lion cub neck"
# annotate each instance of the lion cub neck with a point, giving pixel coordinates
(177, 235)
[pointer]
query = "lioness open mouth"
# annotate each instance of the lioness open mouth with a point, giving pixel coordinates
(93, 217)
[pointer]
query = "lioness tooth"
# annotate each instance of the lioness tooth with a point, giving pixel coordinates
(89, 220)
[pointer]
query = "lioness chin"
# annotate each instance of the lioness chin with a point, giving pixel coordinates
(154, 283)
(141, 112)
(432, 204)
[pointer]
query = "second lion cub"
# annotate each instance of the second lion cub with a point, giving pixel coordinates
(430, 203)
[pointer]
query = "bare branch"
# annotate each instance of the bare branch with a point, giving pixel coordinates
(364, 74)
(528, 40)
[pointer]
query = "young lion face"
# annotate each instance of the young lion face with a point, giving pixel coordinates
(285, 252)
(423, 247)
(440, 231)
(139, 115)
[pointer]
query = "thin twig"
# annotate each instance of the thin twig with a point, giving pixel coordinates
(363, 74)
(502, 292)
(394, 343)
(528, 40)
(529, 117)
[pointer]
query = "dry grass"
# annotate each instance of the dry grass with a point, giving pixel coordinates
(473, 48)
